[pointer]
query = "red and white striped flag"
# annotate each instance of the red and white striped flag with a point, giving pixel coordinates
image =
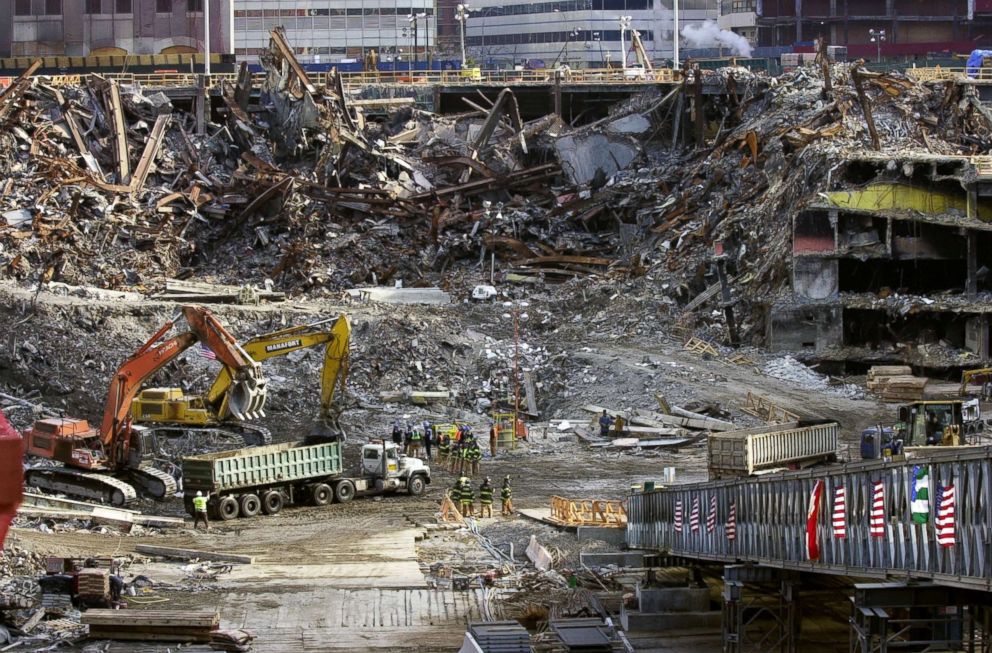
(840, 513)
(812, 521)
(678, 516)
(694, 516)
(731, 526)
(944, 524)
(711, 518)
(206, 352)
(876, 524)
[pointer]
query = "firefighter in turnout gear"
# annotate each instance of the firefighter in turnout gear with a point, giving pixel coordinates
(456, 455)
(506, 495)
(467, 498)
(443, 449)
(474, 456)
(486, 498)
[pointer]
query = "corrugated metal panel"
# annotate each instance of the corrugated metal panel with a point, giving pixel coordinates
(734, 453)
(282, 463)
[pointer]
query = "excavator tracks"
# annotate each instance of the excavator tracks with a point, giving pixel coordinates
(153, 482)
(87, 485)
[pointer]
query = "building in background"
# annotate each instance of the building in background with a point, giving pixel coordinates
(329, 31)
(740, 17)
(583, 33)
(108, 27)
(912, 27)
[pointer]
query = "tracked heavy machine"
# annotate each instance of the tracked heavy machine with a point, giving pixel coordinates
(172, 411)
(112, 463)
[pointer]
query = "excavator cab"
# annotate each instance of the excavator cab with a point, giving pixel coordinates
(932, 423)
(70, 441)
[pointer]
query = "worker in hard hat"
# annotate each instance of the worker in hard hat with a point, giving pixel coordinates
(506, 495)
(200, 510)
(467, 497)
(486, 498)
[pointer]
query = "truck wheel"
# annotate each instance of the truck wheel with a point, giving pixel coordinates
(227, 508)
(250, 505)
(322, 494)
(272, 502)
(344, 492)
(416, 486)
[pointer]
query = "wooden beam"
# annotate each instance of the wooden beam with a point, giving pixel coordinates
(190, 554)
(152, 147)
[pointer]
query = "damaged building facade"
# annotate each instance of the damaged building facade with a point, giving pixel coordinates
(79, 28)
(893, 271)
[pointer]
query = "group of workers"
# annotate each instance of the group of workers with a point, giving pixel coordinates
(618, 424)
(413, 437)
(463, 496)
(462, 452)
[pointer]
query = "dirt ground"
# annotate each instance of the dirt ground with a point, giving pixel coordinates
(357, 576)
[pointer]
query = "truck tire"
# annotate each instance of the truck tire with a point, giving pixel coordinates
(272, 502)
(322, 494)
(227, 508)
(416, 486)
(251, 505)
(344, 491)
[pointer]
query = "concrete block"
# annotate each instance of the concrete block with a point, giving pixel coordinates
(654, 621)
(618, 558)
(617, 536)
(673, 599)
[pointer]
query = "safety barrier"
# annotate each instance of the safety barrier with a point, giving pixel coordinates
(587, 76)
(763, 519)
(586, 512)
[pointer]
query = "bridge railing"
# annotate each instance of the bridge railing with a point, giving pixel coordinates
(771, 514)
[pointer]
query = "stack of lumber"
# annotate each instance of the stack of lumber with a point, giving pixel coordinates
(896, 383)
(152, 625)
(94, 583)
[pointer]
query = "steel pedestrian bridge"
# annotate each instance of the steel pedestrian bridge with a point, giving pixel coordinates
(771, 516)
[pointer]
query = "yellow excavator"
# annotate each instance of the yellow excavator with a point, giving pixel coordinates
(172, 411)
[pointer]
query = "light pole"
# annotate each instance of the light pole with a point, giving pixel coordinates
(877, 37)
(461, 15)
(624, 26)
(675, 40)
(414, 19)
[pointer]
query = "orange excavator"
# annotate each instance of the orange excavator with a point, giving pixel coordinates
(113, 463)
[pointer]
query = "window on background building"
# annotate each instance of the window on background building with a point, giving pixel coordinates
(123, 6)
(193, 6)
(22, 7)
(163, 6)
(53, 7)
(92, 6)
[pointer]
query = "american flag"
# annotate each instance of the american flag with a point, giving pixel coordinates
(876, 525)
(694, 516)
(731, 525)
(840, 513)
(678, 516)
(206, 352)
(944, 523)
(711, 518)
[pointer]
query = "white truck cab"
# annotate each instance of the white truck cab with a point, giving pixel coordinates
(399, 471)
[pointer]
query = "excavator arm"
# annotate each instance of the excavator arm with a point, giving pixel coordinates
(248, 393)
(337, 340)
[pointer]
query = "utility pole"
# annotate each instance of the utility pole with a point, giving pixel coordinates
(877, 37)
(206, 37)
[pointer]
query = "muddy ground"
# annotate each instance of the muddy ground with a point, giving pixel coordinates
(61, 349)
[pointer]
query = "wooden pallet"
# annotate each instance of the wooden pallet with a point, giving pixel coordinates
(766, 410)
(699, 346)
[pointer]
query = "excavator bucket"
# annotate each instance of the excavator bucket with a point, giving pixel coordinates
(246, 398)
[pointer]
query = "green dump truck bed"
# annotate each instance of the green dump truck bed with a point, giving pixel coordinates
(260, 466)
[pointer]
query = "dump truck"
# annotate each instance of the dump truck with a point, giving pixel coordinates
(792, 445)
(247, 482)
